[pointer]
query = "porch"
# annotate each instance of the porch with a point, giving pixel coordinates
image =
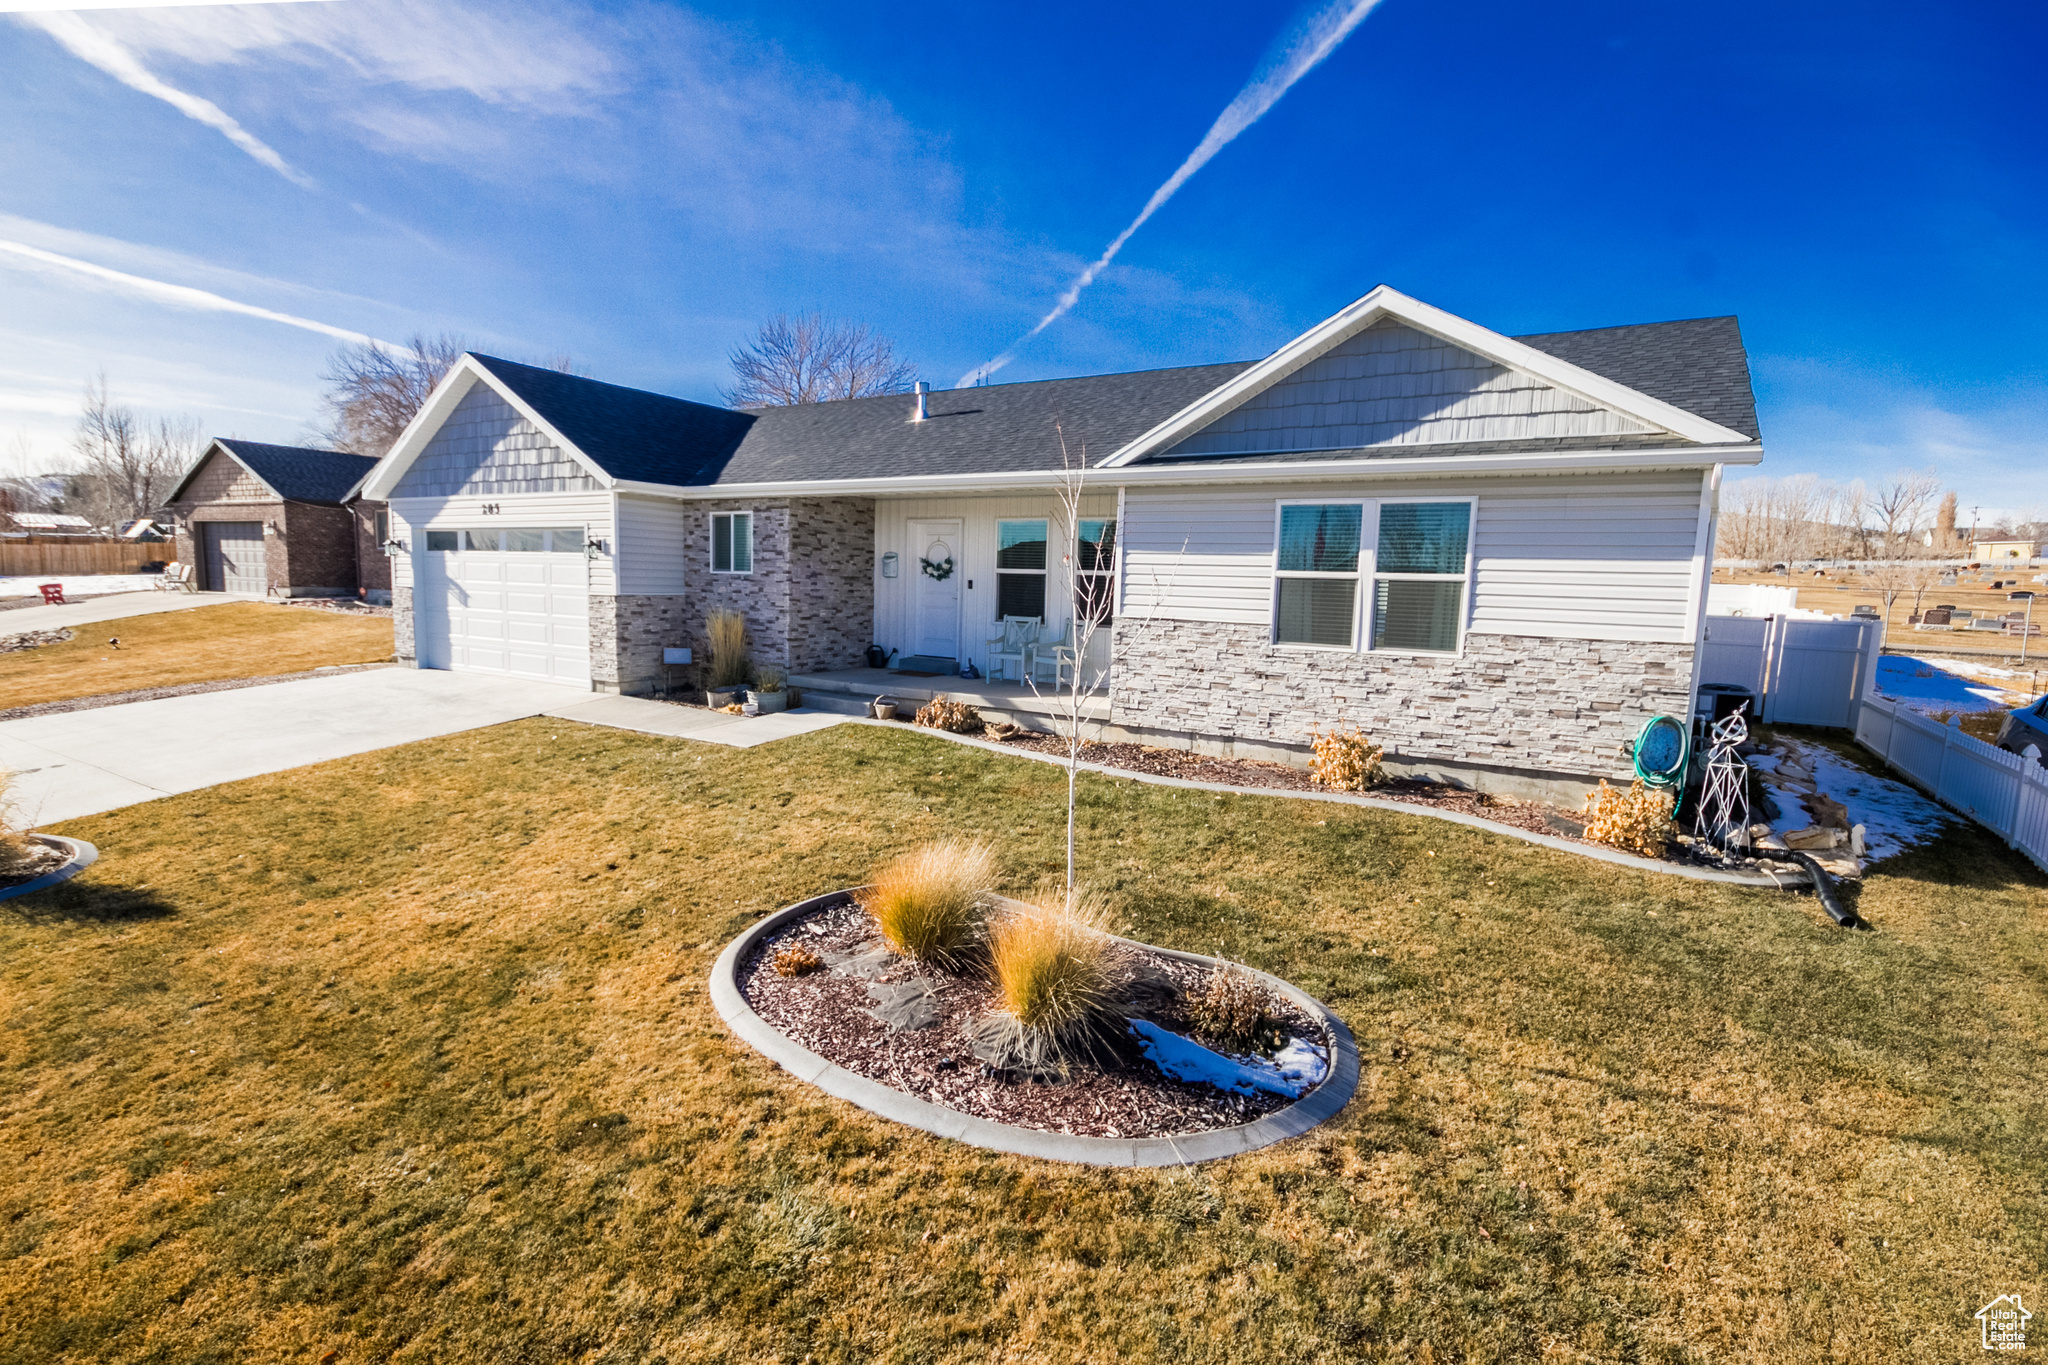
(849, 690)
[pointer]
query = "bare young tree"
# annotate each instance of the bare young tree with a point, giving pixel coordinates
(1898, 506)
(373, 393)
(126, 468)
(1090, 589)
(808, 359)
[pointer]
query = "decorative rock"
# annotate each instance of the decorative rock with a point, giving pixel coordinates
(905, 1006)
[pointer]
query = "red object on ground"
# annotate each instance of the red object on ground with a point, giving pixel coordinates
(53, 594)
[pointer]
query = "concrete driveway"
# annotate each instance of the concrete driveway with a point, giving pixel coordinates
(84, 762)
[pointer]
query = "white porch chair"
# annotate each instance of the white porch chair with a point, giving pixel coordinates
(1055, 653)
(1013, 646)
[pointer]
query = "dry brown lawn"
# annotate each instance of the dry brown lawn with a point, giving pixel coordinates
(205, 644)
(408, 1057)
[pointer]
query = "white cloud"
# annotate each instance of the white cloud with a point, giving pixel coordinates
(89, 44)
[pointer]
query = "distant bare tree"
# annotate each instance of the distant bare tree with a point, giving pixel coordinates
(126, 469)
(373, 393)
(807, 359)
(1898, 506)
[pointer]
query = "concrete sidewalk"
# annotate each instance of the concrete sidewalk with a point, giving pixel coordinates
(85, 762)
(113, 607)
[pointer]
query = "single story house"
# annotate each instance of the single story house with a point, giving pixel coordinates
(1491, 553)
(282, 519)
(1996, 551)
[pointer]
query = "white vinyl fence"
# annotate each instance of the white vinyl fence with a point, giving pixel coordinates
(2006, 793)
(1804, 671)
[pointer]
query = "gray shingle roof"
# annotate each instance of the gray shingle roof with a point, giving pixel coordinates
(300, 474)
(649, 437)
(1697, 364)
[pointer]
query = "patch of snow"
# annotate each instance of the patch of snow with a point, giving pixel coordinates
(1292, 1072)
(1927, 685)
(1894, 816)
(78, 585)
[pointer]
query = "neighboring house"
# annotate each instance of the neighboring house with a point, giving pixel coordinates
(1490, 553)
(1993, 551)
(51, 523)
(263, 518)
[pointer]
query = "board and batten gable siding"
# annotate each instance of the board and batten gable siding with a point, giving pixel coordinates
(652, 549)
(1391, 386)
(412, 517)
(1603, 557)
(487, 449)
(976, 561)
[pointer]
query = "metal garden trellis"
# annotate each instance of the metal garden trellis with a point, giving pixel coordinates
(1724, 798)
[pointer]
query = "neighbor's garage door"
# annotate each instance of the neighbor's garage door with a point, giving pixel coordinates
(505, 601)
(234, 557)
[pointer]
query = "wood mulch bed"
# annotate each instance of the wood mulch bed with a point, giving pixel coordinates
(33, 861)
(1119, 1094)
(33, 639)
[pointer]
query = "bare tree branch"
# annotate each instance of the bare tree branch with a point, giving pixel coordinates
(126, 469)
(807, 359)
(373, 393)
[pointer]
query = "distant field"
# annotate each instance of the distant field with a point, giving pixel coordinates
(1842, 592)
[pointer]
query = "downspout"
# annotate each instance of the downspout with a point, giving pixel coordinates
(1116, 602)
(1703, 578)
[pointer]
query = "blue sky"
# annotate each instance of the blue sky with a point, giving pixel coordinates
(638, 184)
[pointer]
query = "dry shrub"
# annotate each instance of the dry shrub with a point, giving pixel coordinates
(1638, 820)
(928, 903)
(18, 852)
(796, 960)
(730, 663)
(1345, 761)
(956, 716)
(1231, 1008)
(1060, 977)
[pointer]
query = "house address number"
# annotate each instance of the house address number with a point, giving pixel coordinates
(491, 509)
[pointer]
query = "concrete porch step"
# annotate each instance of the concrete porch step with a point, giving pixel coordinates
(848, 691)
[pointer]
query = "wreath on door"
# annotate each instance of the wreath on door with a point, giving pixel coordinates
(938, 572)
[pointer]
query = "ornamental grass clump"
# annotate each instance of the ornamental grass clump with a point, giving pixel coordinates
(1345, 761)
(19, 854)
(1637, 821)
(955, 716)
(1059, 978)
(927, 905)
(731, 665)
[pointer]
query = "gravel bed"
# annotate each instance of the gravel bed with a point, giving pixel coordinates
(37, 860)
(33, 639)
(1118, 1095)
(55, 708)
(343, 606)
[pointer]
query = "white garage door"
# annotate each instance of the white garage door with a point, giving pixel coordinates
(513, 600)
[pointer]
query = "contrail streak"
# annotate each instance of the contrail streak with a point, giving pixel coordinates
(89, 44)
(177, 295)
(46, 6)
(1319, 38)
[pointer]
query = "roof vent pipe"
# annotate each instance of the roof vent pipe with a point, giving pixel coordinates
(922, 389)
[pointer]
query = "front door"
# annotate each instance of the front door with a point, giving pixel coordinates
(936, 599)
(234, 557)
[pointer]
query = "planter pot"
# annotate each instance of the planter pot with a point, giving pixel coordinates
(770, 702)
(724, 696)
(882, 710)
(83, 855)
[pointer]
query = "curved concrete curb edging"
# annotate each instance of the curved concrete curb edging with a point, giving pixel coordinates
(1765, 881)
(83, 855)
(1305, 1113)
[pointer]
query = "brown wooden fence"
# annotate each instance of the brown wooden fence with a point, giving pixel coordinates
(64, 555)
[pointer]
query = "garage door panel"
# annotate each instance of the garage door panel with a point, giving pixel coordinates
(517, 612)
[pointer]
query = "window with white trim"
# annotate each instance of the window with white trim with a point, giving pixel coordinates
(1315, 574)
(1020, 569)
(732, 542)
(1095, 571)
(1414, 556)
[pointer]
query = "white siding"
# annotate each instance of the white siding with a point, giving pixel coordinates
(410, 517)
(1393, 385)
(1602, 557)
(651, 545)
(977, 517)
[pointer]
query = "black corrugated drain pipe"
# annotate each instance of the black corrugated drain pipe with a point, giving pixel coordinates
(1824, 888)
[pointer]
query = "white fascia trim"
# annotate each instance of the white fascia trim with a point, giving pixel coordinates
(452, 389)
(222, 447)
(1455, 466)
(1385, 301)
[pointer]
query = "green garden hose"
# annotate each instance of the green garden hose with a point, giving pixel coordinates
(1661, 751)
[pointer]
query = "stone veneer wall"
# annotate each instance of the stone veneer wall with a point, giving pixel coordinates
(762, 596)
(627, 635)
(1510, 702)
(832, 583)
(402, 646)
